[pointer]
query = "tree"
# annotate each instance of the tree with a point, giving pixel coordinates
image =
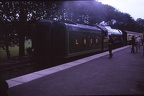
(19, 13)
(140, 23)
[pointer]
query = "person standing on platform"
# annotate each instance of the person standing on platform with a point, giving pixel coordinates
(139, 41)
(110, 45)
(136, 44)
(133, 44)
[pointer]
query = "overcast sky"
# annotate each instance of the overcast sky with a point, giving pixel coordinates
(133, 7)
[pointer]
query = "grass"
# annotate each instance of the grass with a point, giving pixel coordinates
(14, 51)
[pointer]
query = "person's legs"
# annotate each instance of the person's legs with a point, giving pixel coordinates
(132, 51)
(110, 52)
(136, 46)
(139, 44)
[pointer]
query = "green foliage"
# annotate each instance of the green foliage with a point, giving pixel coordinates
(12, 11)
(91, 12)
(14, 50)
(16, 17)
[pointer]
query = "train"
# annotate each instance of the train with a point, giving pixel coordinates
(55, 40)
(130, 34)
(116, 34)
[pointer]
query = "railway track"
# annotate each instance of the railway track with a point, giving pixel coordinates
(17, 70)
(16, 67)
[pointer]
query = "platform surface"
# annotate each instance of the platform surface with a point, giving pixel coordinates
(95, 75)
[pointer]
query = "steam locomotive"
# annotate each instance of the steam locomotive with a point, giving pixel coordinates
(54, 40)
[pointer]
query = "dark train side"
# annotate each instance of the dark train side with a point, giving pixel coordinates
(55, 40)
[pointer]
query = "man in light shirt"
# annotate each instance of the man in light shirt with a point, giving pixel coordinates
(138, 40)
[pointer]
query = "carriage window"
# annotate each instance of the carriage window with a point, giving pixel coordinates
(106, 40)
(84, 40)
(76, 42)
(90, 41)
(96, 41)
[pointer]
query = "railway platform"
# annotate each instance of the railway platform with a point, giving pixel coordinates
(123, 74)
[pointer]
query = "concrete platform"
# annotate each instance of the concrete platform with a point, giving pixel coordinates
(95, 75)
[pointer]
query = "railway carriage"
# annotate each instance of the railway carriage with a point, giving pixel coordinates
(54, 41)
(57, 40)
(83, 39)
(129, 35)
(104, 37)
(117, 35)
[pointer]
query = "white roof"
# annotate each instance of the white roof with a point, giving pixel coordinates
(113, 31)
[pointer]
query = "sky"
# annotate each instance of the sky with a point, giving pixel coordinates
(135, 8)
